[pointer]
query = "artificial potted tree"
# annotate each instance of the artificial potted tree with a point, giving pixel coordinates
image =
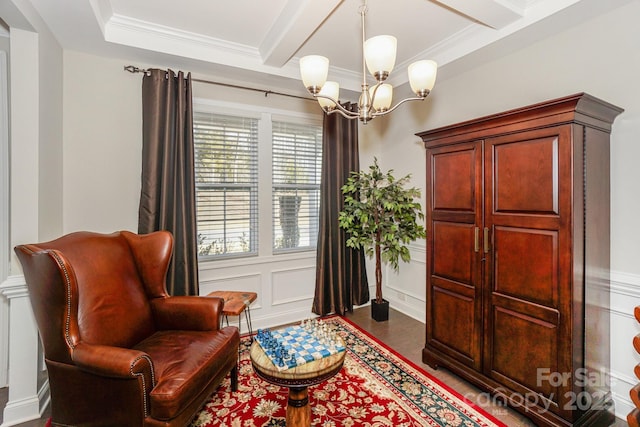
(380, 215)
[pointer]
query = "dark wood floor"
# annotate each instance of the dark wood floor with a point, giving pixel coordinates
(405, 335)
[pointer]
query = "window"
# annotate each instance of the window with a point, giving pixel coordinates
(296, 165)
(226, 169)
(257, 179)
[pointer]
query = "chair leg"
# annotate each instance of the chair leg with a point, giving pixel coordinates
(234, 378)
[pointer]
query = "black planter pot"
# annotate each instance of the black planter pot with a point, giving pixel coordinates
(380, 311)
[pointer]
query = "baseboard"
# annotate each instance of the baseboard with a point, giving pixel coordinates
(405, 307)
(32, 408)
(20, 411)
(44, 397)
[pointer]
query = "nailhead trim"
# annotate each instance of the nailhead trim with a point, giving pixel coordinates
(144, 384)
(67, 321)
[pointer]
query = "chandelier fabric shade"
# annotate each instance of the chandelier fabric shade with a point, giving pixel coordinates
(379, 56)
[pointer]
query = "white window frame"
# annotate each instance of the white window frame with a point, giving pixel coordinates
(265, 117)
(314, 204)
(254, 237)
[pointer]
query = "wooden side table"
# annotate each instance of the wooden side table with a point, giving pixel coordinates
(236, 302)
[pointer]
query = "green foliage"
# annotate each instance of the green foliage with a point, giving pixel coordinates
(380, 214)
(220, 246)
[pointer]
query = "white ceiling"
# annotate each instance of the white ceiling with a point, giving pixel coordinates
(262, 40)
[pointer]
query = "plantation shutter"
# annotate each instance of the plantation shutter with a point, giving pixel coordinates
(296, 157)
(226, 168)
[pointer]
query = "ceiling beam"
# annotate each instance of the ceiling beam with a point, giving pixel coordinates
(492, 13)
(297, 22)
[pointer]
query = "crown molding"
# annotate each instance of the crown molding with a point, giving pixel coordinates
(158, 38)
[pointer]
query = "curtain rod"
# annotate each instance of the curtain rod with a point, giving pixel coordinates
(133, 69)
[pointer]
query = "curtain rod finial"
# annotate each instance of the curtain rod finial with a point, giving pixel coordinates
(134, 69)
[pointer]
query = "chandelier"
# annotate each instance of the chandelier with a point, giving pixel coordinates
(379, 56)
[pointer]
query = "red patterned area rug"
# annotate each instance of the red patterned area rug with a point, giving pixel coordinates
(376, 387)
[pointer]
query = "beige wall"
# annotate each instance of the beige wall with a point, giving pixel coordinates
(103, 138)
(35, 124)
(50, 166)
(102, 144)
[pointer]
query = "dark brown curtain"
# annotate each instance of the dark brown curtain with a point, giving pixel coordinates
(167, 199)
(341, 277)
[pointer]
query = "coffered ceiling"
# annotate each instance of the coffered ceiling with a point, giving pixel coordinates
(264, 39)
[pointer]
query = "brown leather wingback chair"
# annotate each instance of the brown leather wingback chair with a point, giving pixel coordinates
(119, 350)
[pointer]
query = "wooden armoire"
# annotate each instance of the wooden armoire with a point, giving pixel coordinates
(517, 218)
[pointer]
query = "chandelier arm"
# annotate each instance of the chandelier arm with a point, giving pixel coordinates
(382, 113)
(338, 107)
(350, 116)
(373, 94)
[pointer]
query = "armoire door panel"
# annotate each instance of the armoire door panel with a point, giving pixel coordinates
(453, 254)
(454, 325)
(453, 180)
(514, 357)
(525, 176)
(533, 277)
(545, 314)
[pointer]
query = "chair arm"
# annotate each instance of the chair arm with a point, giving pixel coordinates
(187, 313)
(114, 362)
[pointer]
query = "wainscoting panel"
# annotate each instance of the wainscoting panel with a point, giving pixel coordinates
(246, 282)
(405, 289)
(625, 296)
(26, 397)
(293, 285)
(284, 284)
